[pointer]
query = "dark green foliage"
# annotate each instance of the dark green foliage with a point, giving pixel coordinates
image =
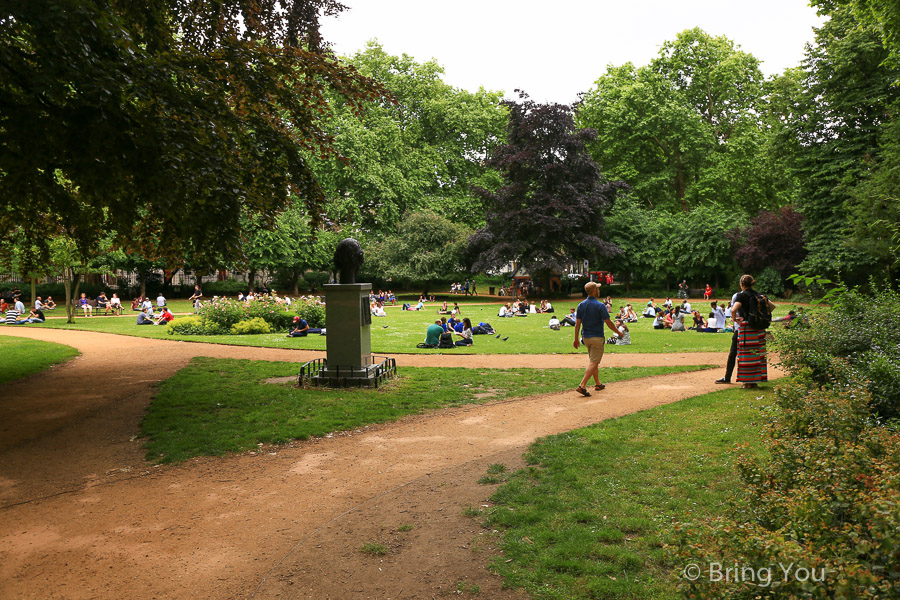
(229, 287)
(769, 282)
(854, 343)
(425, 247)
(163, 121)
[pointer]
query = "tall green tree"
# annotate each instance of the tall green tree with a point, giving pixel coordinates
(163, 117)
(425, 150)
(688, 129)
(426, 247)
(849, 96)
(550, 209)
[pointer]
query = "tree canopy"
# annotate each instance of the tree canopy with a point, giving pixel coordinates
(163, 122)
(550, 208)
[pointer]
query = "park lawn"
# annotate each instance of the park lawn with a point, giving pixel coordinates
(214, 406)
(400, 331)
(591, 515)
(23, 357)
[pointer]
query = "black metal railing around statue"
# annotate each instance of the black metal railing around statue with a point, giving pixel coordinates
(318, 373)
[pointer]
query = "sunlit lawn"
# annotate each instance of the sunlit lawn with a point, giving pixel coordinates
(400, 331)
(23, 357)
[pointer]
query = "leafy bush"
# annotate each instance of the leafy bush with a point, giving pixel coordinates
(310, 311)
(827, 499)
(279, 316)
(769, 282)
(194, 326)
(250, 327)
(224, 312)
(229, 287)
(862, 332)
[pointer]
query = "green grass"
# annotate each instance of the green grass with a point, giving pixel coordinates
(373, 549)
(405, 329)
(590, 516)
(214, 406)
(23, 357)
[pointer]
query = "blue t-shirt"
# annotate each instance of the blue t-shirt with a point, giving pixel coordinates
(593, 314)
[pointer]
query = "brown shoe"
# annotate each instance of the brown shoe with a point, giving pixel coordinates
(602, 386)
(582, 391)
(723, 380)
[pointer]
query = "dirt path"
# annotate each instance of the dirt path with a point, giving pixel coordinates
(82, 516)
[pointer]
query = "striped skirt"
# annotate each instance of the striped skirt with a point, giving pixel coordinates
(751, 355)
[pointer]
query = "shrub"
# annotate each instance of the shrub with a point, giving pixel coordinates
(250, 327)
(194, 326)
(769, 282)
(279, 316)
(229, 287)
(224, 312)
(861, 332)
(320, 278)
(827, 498)
(310, 311)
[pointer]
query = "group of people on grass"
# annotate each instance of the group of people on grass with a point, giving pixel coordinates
(522, 308)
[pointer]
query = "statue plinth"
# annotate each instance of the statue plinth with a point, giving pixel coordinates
(349, 321)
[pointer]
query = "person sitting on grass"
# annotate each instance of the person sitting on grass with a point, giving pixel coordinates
(12, 316)
(85, 305)
(678, 320)
(625, 338)
(659, 320)
(630, 315)
(143, 318)
(699, 323)
(554, 323)
(165, 316)
(433, 333)
(137, 303)
(49, 304)
(160, 300)
(301, 328)
(378, 310)
(465, 334)
(569, 319)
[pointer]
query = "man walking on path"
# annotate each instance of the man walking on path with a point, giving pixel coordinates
(592, 314)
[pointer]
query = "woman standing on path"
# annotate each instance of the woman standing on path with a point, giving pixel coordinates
(751, 343)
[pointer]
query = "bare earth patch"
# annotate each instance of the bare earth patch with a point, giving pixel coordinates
(82, 515)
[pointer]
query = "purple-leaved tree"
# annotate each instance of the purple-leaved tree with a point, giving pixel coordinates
(549, 210)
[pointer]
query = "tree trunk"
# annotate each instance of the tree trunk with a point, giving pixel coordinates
(295, 277)
(628, 282)
(33, 290)
(251, 279)
(142, 279)
(71, 293)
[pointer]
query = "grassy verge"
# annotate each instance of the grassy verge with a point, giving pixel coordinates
(591, 515)
(214, 406)
(400, 331)
(24, 357)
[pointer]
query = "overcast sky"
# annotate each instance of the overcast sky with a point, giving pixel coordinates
(555, 50)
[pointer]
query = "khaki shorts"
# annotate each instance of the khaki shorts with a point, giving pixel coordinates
(594, 346)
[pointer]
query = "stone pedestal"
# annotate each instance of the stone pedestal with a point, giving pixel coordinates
(349, 322)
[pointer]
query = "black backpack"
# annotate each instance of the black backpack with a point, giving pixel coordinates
(759, 315)
(446, 341)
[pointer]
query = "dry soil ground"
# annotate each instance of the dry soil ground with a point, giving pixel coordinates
(82, 515)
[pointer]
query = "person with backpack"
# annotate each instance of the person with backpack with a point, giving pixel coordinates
(752, 314)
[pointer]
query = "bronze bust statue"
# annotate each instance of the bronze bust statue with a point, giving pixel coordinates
(348, 257)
